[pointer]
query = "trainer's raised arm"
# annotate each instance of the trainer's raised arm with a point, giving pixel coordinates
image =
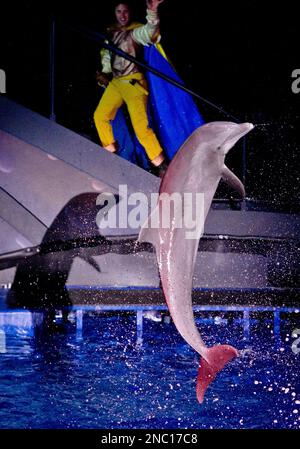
(153, 4)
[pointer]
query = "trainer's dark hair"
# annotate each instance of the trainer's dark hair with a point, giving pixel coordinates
(116, 3)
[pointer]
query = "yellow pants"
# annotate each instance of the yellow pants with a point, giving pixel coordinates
(117, 92)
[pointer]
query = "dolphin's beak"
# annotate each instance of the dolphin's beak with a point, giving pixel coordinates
(238, 132)
(248, 126)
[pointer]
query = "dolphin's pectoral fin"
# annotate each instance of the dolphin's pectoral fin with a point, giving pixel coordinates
(233, 181)
(148, 232)
(89, 260)
(217, 358)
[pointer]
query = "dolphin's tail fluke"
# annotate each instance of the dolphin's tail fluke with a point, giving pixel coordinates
(216, 359)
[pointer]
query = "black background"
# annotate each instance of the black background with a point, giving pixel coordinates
(239, 55)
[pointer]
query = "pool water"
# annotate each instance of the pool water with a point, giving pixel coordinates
(102, 371)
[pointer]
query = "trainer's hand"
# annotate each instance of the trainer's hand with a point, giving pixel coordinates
(103, 78)
(153, 4)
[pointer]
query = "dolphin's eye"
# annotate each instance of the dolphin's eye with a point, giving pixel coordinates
(218, 148)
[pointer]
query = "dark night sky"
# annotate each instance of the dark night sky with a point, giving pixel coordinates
(238, 54)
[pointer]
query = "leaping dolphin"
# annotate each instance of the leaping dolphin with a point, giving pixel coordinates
(197, 167)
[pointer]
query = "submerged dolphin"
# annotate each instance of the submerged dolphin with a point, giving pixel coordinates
(198, 166)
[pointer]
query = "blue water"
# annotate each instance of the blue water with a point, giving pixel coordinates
(100, 377)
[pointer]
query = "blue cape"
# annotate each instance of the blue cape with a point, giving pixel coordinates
(173, 114)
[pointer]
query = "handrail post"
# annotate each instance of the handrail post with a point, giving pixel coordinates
(52, 69)
(244, 169)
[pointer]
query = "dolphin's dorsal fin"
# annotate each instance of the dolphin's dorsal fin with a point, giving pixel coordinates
(233, 181)
(148, 233)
